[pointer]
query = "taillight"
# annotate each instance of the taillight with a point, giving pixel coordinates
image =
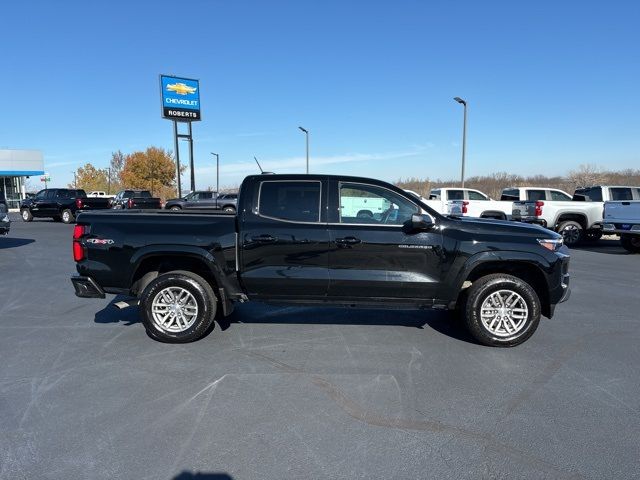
(78, 250)
(464, 207)
(538, 211)
(79, 203)
(130, 203)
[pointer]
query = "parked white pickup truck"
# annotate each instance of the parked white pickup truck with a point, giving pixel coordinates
(578, 219)
(474, 203)
(623, 218)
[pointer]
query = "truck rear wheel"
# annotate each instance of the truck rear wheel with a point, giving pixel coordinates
(501, 310)
(178, 307)
(571, 232)
(631, 243)
(67, 216)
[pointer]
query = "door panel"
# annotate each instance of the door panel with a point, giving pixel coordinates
(378, 256)
(383, 262)
(286, 256)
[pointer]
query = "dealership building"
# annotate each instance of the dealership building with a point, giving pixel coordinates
(15, 167)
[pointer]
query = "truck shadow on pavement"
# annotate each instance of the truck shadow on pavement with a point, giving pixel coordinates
(442, 322)
(11, 242)
(202, 476)
(609, 246)
(112, 314)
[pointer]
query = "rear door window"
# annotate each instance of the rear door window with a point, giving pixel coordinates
(294, 201)
(455, 195)
(535, 195)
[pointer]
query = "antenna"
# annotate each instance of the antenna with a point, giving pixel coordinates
(261, 171)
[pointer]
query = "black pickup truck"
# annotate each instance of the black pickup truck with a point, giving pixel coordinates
(61, 204)
(302, 239)
(135, 200)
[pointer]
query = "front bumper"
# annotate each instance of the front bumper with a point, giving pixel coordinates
(562, 292)
(86, 287)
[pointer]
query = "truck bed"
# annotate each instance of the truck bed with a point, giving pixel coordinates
(122, 231)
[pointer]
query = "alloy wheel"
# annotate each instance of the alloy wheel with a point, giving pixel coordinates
(504, 313)
(174, 309)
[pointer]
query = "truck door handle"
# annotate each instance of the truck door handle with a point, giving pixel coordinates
(266, 238)
(347, 241)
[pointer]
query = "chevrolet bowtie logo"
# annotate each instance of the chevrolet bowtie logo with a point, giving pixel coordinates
(180, 88)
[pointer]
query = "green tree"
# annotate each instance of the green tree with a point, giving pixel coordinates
(89, 178)
(153, 169)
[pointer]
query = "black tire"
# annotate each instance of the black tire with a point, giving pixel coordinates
(631, 243)
(229, 209)
(571, 231)
(175, 208)
(199, 289)
(501, 284)
(67, 216)
(26, 215)
(593, 235)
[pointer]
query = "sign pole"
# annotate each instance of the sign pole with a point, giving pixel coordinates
(193, 175)
(175, 137)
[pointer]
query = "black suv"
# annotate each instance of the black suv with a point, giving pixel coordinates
(5, 223)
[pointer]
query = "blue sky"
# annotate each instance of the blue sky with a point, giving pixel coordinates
(550, 85)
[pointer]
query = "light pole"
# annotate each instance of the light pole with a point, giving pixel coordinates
(75, 180)
(464, 135)
(217, 173)
(192, 173)
(306, 132)
(109, 181)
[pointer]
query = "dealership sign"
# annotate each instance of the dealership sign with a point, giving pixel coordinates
(180, 98)
(45, 178)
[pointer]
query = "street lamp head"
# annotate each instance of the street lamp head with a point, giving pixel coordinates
(459, 100)
(304, 130)
(214, 154)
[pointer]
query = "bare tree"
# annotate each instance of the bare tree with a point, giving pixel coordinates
(585, 175)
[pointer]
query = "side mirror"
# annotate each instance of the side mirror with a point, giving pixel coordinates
(421, 222)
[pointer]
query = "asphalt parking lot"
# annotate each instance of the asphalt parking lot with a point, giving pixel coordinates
(292, 393)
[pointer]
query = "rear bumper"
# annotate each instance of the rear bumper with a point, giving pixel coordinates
(86, 287)
(533, 220)
(621, 228)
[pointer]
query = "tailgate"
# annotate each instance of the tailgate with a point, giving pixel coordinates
(94, 203)
(146, 203)
(622, 211)
(521, 210)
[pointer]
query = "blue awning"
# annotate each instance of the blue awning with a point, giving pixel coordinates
(20, 173)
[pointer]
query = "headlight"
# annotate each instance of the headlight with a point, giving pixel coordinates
(552, 244)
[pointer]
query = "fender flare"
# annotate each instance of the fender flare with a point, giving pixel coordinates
(510, 256)
(186, 251)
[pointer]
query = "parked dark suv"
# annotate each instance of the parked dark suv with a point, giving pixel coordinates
(5, 223)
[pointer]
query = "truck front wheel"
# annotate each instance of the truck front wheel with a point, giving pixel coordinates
(501, 310)
(631, 243)
(178, 307)
(26, 215)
